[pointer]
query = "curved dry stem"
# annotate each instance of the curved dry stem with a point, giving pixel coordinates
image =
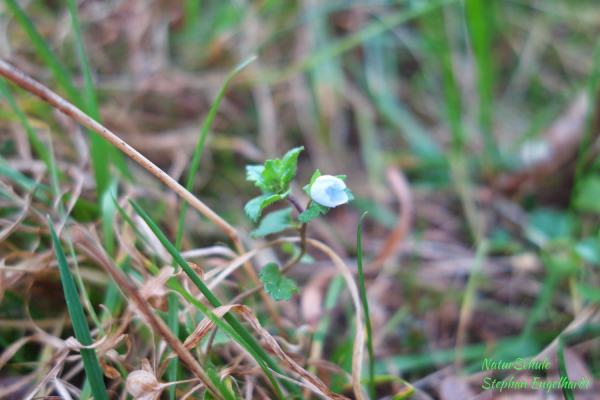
(62, 105)
(359, 336)
(207, 325)
(401, 189)
(352, 287)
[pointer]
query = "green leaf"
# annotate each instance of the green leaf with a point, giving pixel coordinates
(254, 174)
(312, 180)
(275, 222)
(80, 325)
(290, 162)
(588, 250)
(255, 206)
(253, 209)
(272, 175)
(277, 286)
(313, 211)
(547, 224)
(275, 176)
(200, 146)
(586, 199)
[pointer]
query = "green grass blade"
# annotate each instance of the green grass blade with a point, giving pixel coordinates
(90, 92)
(438, 46)
(37, 144)
(100, 146)
(469, 297)
(434, 31)
(562, 367)
(541, 305)
(200, 146)
(173, 324)
(354, 39)
(99, 149)
(363, 293)
(480, 19)
(241, 332)
(586, 143)
(560, 353)
(80, 327)
(60, 73)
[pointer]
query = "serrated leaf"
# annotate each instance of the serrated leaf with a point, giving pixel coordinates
(290, 162)
(312, 180)
(275, 175)
(254, 174)
(272, 174)
(277, 286)
(313, 211)
(255, 206)
(274, 222)
(253, 209)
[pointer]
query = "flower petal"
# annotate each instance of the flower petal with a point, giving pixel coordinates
(329, 191)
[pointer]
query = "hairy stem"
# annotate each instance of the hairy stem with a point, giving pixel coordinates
(296, 203)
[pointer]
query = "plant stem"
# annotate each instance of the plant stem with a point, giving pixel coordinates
(303, 226)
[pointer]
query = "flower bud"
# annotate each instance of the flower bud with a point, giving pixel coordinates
(329, 191)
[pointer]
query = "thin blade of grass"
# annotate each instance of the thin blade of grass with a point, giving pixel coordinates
(479, 18)
(174, 285)
(58, 70)
(466, 309)
(173, 322)
(200, 146)
(363, 292)
(352, 40)
(586, 143)
(100, 147)
(80, 327)
(560, 353)
(562, 367)
(38, 146)
(435, 31)
(246, 339)
(172, 299)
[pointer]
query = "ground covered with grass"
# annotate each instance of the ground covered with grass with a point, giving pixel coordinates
(181, 185)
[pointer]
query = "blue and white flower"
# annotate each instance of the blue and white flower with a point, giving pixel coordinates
(329, 191)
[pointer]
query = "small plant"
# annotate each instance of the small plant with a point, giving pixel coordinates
(274, 179)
